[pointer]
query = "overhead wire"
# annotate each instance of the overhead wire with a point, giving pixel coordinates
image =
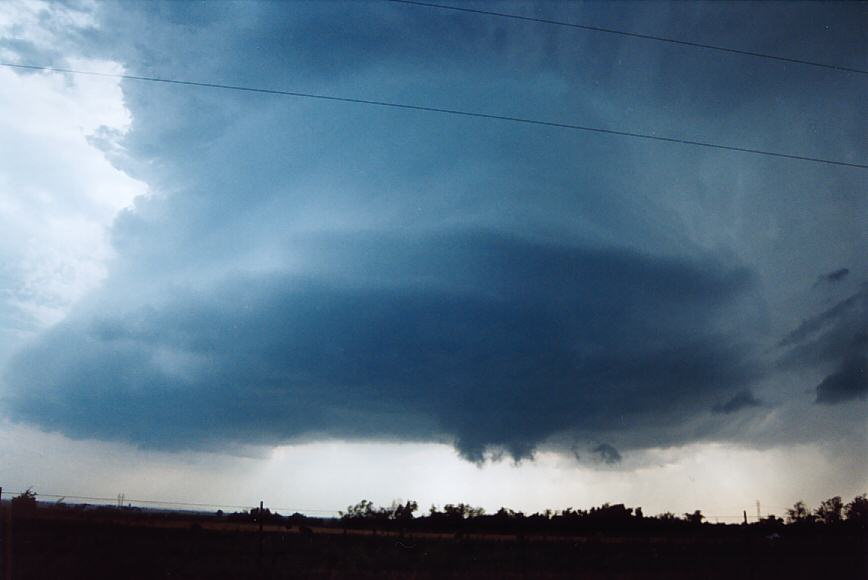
(446, 111)
(168, 503)
(618, 32)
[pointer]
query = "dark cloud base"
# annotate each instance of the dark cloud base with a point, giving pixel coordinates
(608, 454)
(743, 400)
(847, 383)
(835, 339)
(482, 339)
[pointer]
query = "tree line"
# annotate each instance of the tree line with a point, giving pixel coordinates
(832, 514)
(607, 518)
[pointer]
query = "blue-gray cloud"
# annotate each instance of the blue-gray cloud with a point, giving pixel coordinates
(834, 276)
(836, 341)
(317, 270)
(742, 400)
(608, 454)
(847, 383)
(481, 338)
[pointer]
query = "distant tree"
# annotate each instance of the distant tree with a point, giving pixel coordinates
(857, 511)
(366, 511)
(462, 511)
(695, 518)
(25, 502)
(26, 496)
(403, 512)
(362, 510)
(799, 513)
(455, 512)
(263, 515)
(830, 510)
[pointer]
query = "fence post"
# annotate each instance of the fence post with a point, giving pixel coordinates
(7, 544)
(2, 532)
(261, 517)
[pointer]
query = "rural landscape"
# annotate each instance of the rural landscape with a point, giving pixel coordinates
(59, 540)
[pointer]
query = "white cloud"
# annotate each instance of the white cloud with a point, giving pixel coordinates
(59, 191)
(38, 21)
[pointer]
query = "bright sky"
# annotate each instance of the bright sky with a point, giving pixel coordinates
(221, 297)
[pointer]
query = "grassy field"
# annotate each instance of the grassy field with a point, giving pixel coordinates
(69, 543)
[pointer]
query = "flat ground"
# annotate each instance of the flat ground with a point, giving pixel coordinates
(61, 544)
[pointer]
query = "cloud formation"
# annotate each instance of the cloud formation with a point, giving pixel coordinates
(834, 276)
(608, 454)
(848, 382)
(835, 340)
(482, 338)
(742, 400)
(60, 190)
(313, 270)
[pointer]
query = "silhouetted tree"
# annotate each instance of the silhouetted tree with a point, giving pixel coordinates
(695, 518)
(404, 512)
(362, 510)
(857, 511)
(25, 502)
(264, 515)
(799, 513)
(830, 510)
(462, 511)
(505, 513)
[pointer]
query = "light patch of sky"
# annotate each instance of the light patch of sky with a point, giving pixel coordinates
(59, 190)
(721, 480)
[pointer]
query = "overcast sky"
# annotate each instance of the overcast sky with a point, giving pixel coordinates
(219, 296)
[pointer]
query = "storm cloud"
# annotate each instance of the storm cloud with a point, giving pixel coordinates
(303, 270)
(849, 382)
(742, 400)
(608, 454)
(836, 341)
(835, 276)
(480, 338)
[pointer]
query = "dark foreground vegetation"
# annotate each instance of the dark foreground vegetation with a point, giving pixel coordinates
(61, 541)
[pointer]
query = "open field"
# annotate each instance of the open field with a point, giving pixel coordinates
(72, 543)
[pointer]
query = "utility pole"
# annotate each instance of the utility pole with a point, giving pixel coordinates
(758, 513)
(744, 512)
(261, 516)
(7, 544)
(2, 531)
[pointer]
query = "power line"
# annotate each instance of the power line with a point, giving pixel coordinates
(633, 35)
(169, 503)
(455, 112)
